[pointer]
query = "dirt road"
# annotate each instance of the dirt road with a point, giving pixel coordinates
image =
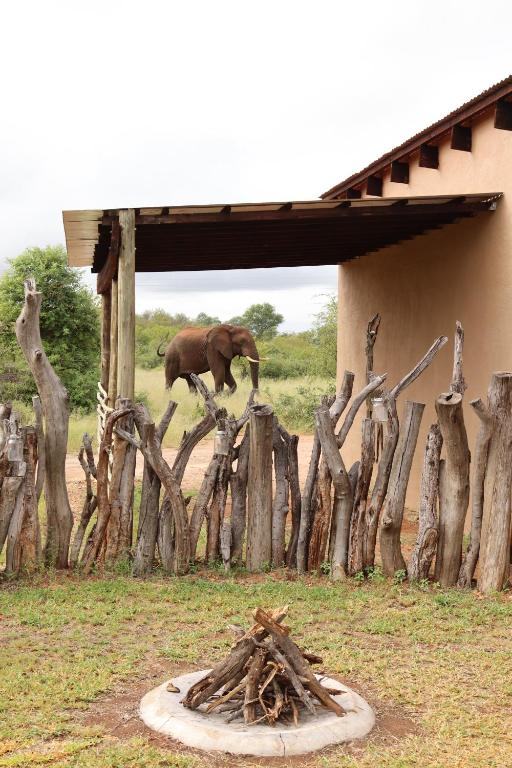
(197, 464)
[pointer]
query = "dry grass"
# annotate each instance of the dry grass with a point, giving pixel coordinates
(150, 384)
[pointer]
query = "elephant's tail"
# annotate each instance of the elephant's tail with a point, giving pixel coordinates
(161, 354)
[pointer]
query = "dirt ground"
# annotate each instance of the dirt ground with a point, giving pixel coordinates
(197, 465)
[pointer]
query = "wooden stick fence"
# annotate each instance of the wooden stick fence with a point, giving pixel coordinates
(250, 502)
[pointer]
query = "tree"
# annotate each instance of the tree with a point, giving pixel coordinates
(324, 336)
(70, 326)
(205, 319)
(262, 320)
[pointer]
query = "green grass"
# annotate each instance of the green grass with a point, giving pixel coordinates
(190, 408)
(440, 659)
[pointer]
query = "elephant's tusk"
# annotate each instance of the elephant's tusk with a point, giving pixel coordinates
(251, 360)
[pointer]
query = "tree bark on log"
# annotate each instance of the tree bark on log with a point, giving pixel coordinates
(428, 523)
(166, 536)
(96, 538)
(343, 497)
(318, 542)
(393, 510)
(259, 489)
(238, 482)
(149, 509)
(483, 439)
(307, 499)
(495, 535)
(55, 404)
(380, 488)
(453, 488)
(458, 383)
(10, 492)
(201, 503)
(12, 554)
(295, 500)
(27, 550)
(41, 453)
(88, 508)
(281, 494)
(364, 476)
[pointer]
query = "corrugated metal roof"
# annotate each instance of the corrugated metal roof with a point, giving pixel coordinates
(314, 232)
(471, 109)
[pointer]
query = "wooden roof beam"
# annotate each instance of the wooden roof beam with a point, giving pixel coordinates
(109, 271)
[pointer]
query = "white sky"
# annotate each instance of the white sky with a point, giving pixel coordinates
(121, 103)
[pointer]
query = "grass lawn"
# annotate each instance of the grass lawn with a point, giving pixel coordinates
(77, 655)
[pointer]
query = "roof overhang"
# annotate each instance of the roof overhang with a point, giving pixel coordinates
(188, 238)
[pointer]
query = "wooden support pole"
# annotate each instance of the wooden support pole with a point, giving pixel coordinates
(428, 529)
(126, 306)
(259, 490)
(106, 313)
(113, 346)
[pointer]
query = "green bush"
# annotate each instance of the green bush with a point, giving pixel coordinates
(297, 409)
(70, 326)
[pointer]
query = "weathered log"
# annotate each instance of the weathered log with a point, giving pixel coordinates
(353, 474)
(166, 536)
(364, 476)
(55, 404)
(238, 485)
(393, 510)
(259, 489)
(201, 503)
(308, 495)
(27, 555)
(495, 535)
(41, 453)
(188, 443)
(295, 500)
(152, 450)
(428, 525)
(458, 383)
(252, 685)
(294, 678)
(318, 541)
(292, 652)
(375, 383)
(150, 505)
(374, 507)
(12, 555)
(117, 487)
(88, 508)
(343, 497)
(281, 494)
(223, 672)
(215, 512)
(11, 495)
(114, 345)
(419, 367)
(453, 488)
(95, 541)
(483, 439)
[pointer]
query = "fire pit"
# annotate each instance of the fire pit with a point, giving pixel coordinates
(262, 699)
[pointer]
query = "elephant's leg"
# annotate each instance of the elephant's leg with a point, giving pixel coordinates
(229, 378)
(217, 365)
(191, 386)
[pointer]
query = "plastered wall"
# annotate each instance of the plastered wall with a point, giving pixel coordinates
(462, 272)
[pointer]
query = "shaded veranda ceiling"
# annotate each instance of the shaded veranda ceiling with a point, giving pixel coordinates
(191, 238)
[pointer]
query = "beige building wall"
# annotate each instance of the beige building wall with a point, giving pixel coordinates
(421, 287)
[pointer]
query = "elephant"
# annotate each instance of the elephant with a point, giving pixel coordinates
(197, 350)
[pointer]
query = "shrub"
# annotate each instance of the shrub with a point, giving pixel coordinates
(297, 410)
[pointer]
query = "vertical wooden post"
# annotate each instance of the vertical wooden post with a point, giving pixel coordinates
(259, 490)
(106, 302)
(126, 306)
(112, 375)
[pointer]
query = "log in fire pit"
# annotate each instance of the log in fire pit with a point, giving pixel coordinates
(265, 680)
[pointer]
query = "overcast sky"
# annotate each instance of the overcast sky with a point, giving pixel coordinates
(113, 104)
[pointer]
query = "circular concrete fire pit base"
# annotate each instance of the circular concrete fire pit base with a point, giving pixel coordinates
(163, 712)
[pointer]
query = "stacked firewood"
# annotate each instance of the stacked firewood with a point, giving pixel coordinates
(266, 678)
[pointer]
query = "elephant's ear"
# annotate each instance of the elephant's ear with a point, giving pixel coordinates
(219, 339)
